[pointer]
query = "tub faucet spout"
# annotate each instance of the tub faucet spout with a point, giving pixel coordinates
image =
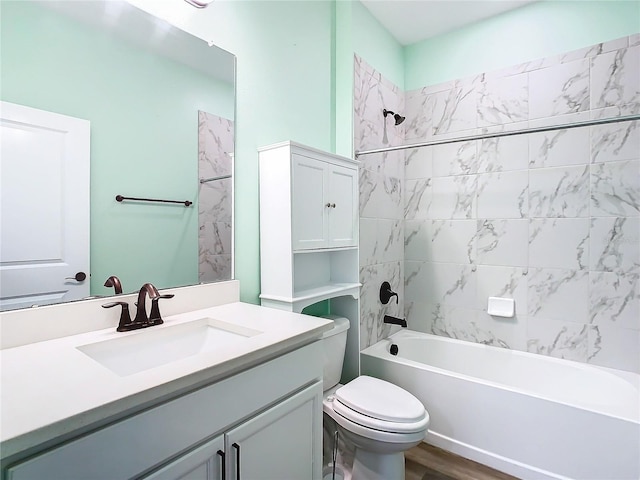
(395, 321)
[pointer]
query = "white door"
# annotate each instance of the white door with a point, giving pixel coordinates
(285, 442)
(343, 214)
(309, 209)
(44, 207)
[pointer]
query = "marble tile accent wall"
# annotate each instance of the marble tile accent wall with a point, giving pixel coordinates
(381, 199)
(215, 151)
(550, 219)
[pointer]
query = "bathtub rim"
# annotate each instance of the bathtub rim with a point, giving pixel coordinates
(629, 377)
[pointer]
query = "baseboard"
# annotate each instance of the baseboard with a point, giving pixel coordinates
(497, 462)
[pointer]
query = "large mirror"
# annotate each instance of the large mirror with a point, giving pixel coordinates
(100, 100)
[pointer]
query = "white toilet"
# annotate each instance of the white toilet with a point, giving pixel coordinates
(378, 419)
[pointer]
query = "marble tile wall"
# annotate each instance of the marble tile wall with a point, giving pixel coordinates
(215, 151)
(550, 219)
(381, 200)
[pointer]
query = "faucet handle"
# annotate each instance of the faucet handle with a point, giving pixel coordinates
(154, 317)
(386, 293)
(125, 319)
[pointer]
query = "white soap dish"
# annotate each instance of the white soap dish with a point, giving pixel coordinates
(501, 307)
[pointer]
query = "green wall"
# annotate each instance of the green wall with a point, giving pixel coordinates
(377, 46)
(143, 113)
(534, 31)
(283, 93)
(342, 79)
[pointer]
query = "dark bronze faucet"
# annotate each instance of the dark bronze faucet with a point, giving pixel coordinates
(395, 321)
(141, 320)
(141, 311)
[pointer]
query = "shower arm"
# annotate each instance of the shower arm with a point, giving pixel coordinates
(587, 123)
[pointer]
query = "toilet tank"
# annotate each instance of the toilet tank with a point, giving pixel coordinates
(334, 343)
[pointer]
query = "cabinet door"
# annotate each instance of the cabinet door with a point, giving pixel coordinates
(284, 442)
(206, 462)
(343, 214)
(308, 209)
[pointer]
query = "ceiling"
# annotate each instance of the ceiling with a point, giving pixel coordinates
(411, 21)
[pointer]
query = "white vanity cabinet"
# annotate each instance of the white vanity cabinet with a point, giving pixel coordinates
(308, 226)
(266, 420)
(207, 462)
(276, 444)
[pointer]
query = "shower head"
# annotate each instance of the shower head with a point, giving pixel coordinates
(397, 117)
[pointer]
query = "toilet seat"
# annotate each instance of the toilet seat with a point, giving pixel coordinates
(380, 405)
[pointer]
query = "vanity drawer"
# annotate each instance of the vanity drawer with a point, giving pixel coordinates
(139, 443)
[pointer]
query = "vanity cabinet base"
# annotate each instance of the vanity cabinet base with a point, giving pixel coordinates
(275, 444)
(268, 401)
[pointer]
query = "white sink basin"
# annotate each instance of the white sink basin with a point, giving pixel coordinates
(155, 346)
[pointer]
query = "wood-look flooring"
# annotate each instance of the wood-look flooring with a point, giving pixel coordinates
(426, 462)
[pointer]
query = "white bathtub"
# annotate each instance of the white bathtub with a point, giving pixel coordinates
(532, 416)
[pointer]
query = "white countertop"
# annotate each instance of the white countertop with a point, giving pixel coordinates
(51, 388)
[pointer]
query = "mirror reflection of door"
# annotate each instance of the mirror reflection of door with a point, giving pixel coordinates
(215, 197)
(140, 82)
(44, 207)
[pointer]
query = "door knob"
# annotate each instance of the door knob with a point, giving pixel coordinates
(79, 277)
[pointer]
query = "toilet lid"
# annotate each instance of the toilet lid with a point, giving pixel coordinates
(380, 400)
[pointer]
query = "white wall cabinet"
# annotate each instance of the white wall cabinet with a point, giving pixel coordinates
(323, 203)
(309, 223)
(308, 226)
(277, 425)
